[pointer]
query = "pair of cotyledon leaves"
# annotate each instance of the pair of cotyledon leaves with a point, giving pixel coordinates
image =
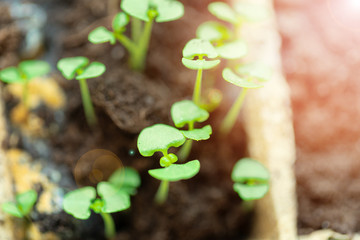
(251, 179)
(78, 68)
(23, 204)
(160, 137)
(115, 195)
(25, 71)
(166, 10)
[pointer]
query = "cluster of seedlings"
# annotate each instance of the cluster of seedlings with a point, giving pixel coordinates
(215, 41)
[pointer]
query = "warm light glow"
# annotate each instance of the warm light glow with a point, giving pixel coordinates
(354, 3)
(346, 13)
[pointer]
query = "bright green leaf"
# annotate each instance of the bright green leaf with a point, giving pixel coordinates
(176, 172)
(115, 199)
(126, 179)
(34, 68)
(120, 21)
(249, 169)
(249, 193)
(198, 134)
(168, 10)
(232, 50)
(159, 138)
(95, 69)
(77, 202)
(69, 66)
(224, 12)
(256, 70)
(136, 8)
(231, 77)
(186, 111)
(213, 31)
(11, 75)
(26, 201)
(199, 47)
(251, 12)
(12, 209)
(101, 35)
(199, 64)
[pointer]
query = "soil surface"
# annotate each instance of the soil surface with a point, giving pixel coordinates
(204, 207)
(321, 62)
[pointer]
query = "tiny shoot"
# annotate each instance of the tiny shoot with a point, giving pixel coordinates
(194, 54)
(114, 196)
(141, 14)
(159, 138)
(24, 203)
(251, 179)
(23, 74)
(187, 113)
(79, 68)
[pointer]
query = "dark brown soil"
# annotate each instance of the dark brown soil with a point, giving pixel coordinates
(204, 207)
(321, 63)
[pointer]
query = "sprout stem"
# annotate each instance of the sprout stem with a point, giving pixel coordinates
(229, 120)
(87, 103)
(197, 87)
(162, 193)
(135, 29)
(184, 152)
(126, 42)
(109, 225)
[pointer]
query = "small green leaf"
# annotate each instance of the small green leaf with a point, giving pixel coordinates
(186, 111)
(136, 8)
(34, 68)
(168, 10)
(213, 31)
(251, 12)
(126, 179)
(199, 64)
(199, 47)
(176, 172)
(256, 70)
(77, 202)
(12, 209)
(159, 138)
(26, 201)
(232, 50)
(167, 160)
(94, 70)
(69, 66)
(101, 35)
(249, 169)
(231, 77)
(198, 134)
(224, 12)
(115, 199)
(11, 75)
(249, 193)
(120, 21)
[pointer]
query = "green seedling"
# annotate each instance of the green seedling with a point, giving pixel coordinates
(187, 113)
(140, 11)
(114, 197)
(24, 203)
(79, 68)
(251, 179)
(251, 76)
(194, 54)
(159, 138)
(23, 74)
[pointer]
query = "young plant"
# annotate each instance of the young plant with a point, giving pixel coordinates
(251, 179)
(78, 68)
(23, 74)
(186, 112)
(194, 54)
(114, 197)
(251, 76)
(159, 138)
(140, 11)
(24, 203)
